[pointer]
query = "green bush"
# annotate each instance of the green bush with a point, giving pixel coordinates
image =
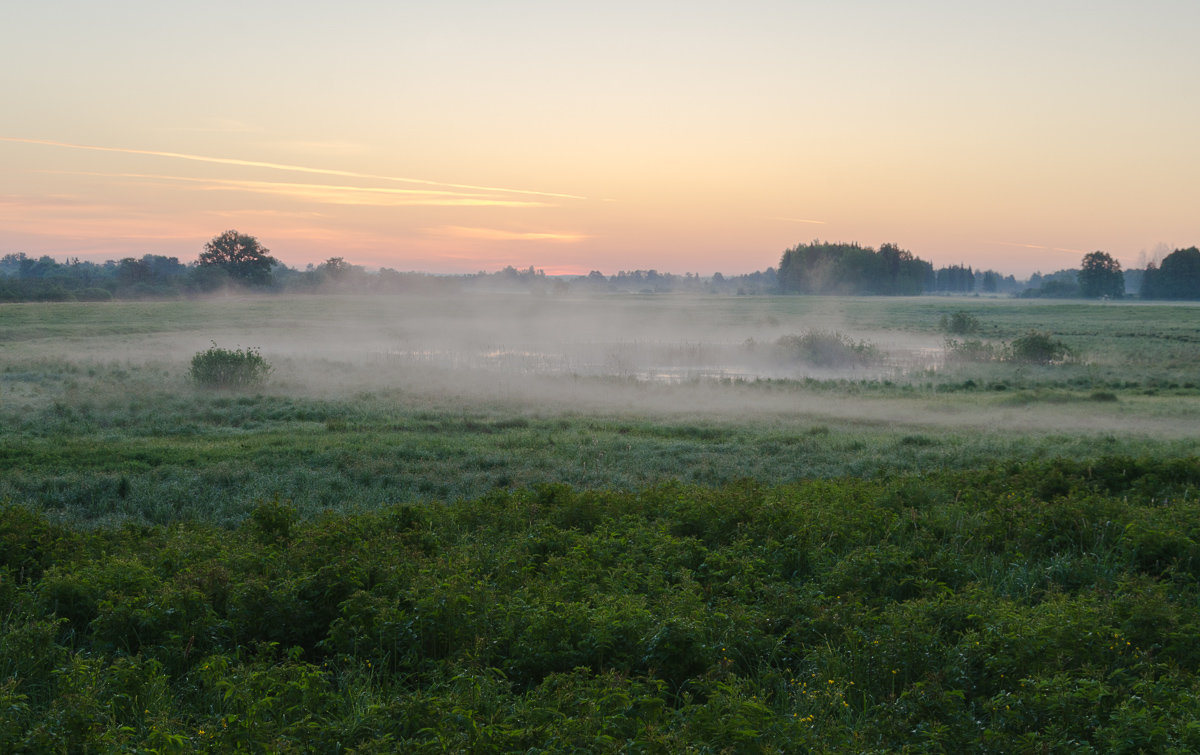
(823, 349)
(229, 368)
(960, 323)
(1037, 347)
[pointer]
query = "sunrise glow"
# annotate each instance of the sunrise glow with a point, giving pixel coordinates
(710, 137)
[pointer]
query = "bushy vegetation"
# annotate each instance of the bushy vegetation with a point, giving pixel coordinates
(1042, 606)
(1037, 347)
(384, 567)
(959, 323)
(1034, 347)
(230, 369)
(824, 349)
(971, 350)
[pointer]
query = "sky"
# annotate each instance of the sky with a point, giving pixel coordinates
(458, 136)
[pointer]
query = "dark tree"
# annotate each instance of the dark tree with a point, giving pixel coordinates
(1178, 277)
(828, 268)
(1101, 276)
(131, 272)
(335, 268)
(242, 258)
(955, 279)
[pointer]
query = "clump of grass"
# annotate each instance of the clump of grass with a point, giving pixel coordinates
(230, 369)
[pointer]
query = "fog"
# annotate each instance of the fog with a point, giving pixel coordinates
(673, 356)
(489, 346)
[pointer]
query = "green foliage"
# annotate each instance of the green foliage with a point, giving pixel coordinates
(240, 256)
(204, 571)
(824, 349)
(1037, 347)
(272, 520)
(1177, 277)
(829, 268)
(1100, 276)
(1051, 603)
(971, 350)
(229, 369)
(959, 322)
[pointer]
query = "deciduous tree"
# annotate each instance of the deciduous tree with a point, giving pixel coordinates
(1101, 276)
(241, 256)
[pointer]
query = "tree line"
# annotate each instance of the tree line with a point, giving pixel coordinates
(234, 260)
(1176, 277)
(822, 267)
(239, 261)
(838, 268)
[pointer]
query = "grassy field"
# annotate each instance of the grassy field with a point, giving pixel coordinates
(518, 523)
(378, 401)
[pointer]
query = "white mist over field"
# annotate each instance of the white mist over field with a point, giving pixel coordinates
(663, 355)
(484, 344)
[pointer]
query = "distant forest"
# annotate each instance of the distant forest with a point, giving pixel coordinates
(233, 260)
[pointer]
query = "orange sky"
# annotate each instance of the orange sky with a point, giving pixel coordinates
(698, 137)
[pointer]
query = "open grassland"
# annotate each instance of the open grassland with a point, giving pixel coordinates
(511, 523)
(380, 401)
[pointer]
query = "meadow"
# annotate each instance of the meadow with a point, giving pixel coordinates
(621, 523)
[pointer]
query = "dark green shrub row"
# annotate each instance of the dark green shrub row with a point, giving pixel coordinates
(1044, 606)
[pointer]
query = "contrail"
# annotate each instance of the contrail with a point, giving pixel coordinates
(1038, 246)
(329, 192)
(279, 166)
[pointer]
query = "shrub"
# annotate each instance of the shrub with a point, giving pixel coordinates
(822, 349)
(960, 323)
(1037, 347)
(969, 350)
(229, 368)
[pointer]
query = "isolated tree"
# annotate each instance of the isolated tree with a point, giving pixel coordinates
(242, 258)
(1100, 276)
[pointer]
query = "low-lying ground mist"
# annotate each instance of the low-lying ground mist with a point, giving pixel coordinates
(722, 358)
